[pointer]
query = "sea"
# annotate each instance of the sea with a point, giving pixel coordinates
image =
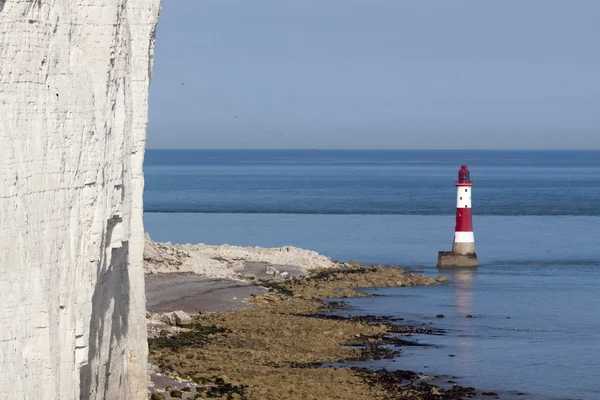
(535, 298)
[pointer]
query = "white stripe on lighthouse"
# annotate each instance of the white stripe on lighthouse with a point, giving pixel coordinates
(464, 237)
(463, 197)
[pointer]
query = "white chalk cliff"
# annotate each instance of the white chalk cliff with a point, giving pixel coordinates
(74, 78)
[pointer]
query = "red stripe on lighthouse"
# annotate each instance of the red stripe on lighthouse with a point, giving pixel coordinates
(464, 220)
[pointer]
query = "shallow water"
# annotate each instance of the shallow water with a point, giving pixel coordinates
(535, 295)
(535, 328)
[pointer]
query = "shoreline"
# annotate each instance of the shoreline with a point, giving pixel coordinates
(276, 344)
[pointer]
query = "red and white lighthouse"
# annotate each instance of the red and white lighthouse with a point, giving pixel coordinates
(464, 240)
(463, 252)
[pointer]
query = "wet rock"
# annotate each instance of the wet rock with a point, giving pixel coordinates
(157, 396)
(222, 381)
(409, 385)
(489, 394)
(340, 283)
(377, 352)
(176, 394)
(440, 316)
(469, 316)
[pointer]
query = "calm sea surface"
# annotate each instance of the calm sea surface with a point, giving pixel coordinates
(536, 295)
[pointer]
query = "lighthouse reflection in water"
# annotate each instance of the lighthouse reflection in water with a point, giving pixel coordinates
(464, 298)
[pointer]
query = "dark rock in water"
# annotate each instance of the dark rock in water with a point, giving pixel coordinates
(440, 316)
(377, 352)
(469, 316)
(407, 385)
(489, 394)
(451, 355)
(309, 365)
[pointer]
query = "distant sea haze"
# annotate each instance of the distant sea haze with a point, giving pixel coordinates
(371, 182)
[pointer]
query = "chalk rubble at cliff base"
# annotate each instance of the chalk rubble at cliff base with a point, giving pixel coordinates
(193, 278)
(227, 261)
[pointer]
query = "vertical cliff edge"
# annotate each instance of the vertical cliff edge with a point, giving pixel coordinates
(74, 78)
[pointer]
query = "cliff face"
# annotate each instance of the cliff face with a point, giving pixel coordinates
(74, 78)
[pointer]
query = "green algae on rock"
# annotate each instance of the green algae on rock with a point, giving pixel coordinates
(342, 282)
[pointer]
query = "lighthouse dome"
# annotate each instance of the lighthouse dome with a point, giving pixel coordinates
(464, 175)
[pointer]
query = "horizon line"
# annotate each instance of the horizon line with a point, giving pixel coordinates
(365, 149)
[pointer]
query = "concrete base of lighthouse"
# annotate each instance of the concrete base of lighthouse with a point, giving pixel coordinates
(463, 253)
(450, 259)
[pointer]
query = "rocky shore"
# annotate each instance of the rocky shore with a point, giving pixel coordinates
(278, 344)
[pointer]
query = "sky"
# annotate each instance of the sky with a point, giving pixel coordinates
(376, 74)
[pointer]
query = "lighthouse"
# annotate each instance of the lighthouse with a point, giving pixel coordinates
(463, 252)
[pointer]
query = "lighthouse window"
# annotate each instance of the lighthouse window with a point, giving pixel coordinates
(461, 198)
(465, 190)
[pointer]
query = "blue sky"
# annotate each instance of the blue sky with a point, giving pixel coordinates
(376, 74)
